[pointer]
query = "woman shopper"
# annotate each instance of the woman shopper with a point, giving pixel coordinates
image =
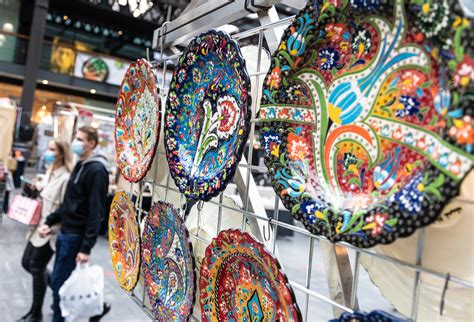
(39, 251)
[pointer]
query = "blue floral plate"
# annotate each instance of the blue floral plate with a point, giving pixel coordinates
(367, 116)
(168, 264)
(207, 115)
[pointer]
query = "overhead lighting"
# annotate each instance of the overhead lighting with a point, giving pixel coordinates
(45, 82)
(119, 32)
(123, 2)
(93, 91)
(8, 27)
(65, 17)
(43, 108)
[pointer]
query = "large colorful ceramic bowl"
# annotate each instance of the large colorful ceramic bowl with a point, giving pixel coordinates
(124, 241)
(207, 115)
(137, 121)
(368, 116)
(241, 281)
(168, 264)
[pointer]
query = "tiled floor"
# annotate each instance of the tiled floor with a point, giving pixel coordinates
(15, 283)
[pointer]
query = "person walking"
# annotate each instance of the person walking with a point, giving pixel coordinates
(80, 213)
(38, 251)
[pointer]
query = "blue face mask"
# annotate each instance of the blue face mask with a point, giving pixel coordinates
(77, 148)
(49, 157)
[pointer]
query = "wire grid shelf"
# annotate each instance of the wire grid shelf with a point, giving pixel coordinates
(162, 189)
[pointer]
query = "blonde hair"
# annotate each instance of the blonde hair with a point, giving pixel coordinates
(65, 150)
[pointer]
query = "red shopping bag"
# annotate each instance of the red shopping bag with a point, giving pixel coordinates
(25, 210)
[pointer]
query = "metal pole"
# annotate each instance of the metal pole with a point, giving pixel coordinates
(219, 216)
(355, 282)
(416, 285)
(33, 59)
(308, 277)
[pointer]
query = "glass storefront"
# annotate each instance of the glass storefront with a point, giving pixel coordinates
(9, 11)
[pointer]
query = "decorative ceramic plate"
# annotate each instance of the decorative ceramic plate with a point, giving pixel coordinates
(137, 121)
(124, 241)
(95, 69)
(241, 281)
(168, 264)
(207, 115)
(367, 112)
(374, 316)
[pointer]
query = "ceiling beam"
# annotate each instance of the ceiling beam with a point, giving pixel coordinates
(207, 15)
(175, 3)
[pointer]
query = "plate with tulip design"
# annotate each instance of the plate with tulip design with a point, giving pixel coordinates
(137, 121)
(124, 241)
(168, 264)
(241, 281)
(207, 115)
(367, 116)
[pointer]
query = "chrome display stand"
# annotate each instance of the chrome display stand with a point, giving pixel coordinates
(342, 277)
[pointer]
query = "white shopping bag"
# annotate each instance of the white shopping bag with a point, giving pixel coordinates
(82, 295)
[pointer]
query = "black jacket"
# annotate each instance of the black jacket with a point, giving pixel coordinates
(84, 202)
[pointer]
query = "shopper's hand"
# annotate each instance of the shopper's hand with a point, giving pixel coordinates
(82, 258)
(44, 230)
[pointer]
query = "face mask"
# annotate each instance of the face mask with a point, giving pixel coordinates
(49, 157)
(77, 148)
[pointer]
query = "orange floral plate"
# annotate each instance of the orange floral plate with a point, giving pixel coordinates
(124, 241)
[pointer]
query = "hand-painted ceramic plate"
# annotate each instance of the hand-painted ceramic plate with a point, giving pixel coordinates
(207, 115)
(124, 241)
(368, 117)
(374, 316)
(168, 264)
(137, 121)
(241, 281)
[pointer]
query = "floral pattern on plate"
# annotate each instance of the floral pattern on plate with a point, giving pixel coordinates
(137, 121)
(241, 281)
(207, 115)
(124, 241)
(367, 116)
(168, 264)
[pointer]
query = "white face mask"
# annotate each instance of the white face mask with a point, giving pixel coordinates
(77, 148)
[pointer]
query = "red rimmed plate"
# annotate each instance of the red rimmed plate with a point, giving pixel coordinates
(137, 121)
(241, 281)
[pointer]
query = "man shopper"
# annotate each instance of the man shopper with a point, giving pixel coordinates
(80, 213)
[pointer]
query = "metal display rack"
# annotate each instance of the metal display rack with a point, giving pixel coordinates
(343, 278)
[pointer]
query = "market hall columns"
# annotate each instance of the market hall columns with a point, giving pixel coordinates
(33, 60)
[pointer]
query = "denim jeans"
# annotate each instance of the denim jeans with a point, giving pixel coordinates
(67, 248)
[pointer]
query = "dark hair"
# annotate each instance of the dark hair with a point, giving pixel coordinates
(91, 132)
